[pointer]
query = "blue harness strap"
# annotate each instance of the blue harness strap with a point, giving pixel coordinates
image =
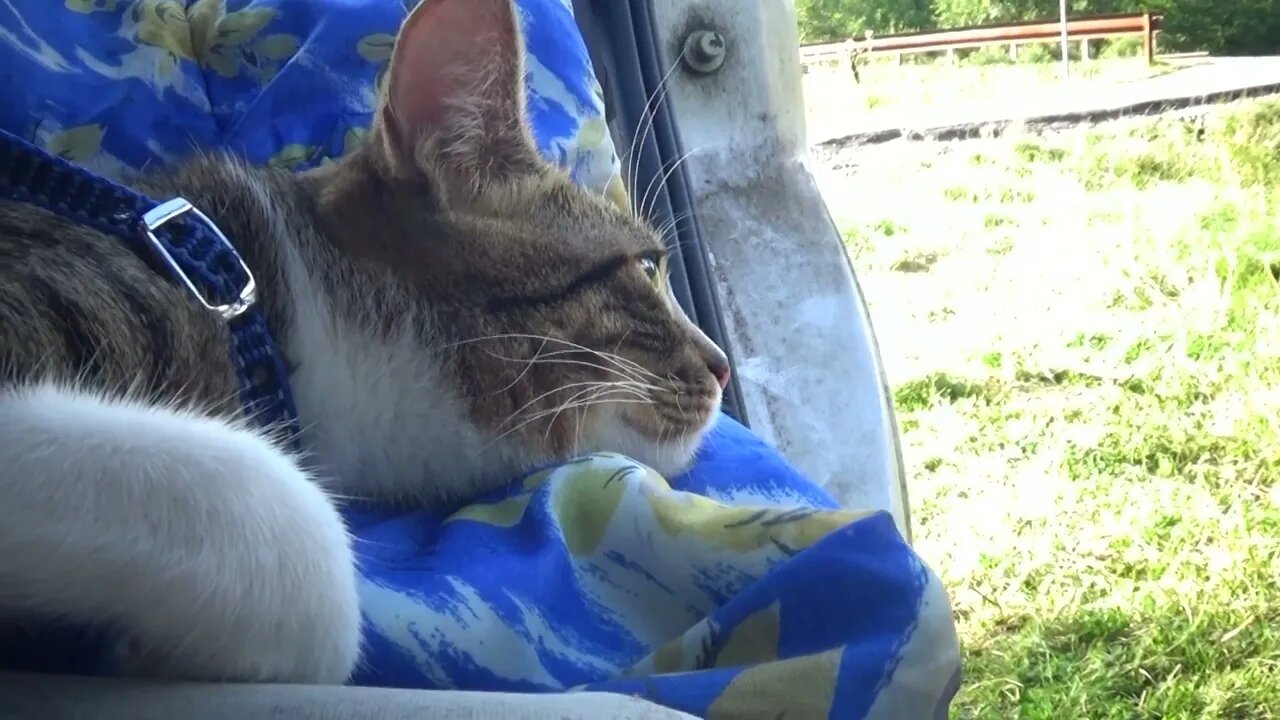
(185, 241)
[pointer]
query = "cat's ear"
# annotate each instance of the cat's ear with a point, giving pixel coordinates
(453, 105)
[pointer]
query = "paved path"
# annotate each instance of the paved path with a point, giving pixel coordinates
(1196, 81)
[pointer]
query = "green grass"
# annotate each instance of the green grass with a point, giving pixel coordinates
(1088, 379)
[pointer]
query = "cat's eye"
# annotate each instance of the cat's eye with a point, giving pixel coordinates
(652, 268)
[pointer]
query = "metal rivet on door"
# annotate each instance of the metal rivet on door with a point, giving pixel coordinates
(704, 51)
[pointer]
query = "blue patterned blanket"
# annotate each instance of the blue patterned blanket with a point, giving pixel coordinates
(738, 590)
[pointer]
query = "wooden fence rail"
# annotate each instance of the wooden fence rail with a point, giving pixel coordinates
(1145, 24)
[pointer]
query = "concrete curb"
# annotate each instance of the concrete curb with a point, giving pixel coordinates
(997, 127)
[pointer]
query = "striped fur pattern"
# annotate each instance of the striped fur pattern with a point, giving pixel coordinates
(453, 309)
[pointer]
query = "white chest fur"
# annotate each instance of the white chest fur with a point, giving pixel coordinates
(379, 418)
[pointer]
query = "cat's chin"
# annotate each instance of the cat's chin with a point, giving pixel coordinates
(610, 432)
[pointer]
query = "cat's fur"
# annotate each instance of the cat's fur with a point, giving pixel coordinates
(453, 307)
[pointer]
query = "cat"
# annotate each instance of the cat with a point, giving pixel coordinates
(454, 310)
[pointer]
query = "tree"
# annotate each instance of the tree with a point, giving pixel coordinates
(829, 20)
(1218, 26)
(963, 13)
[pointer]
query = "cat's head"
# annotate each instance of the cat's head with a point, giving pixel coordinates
(550, 306)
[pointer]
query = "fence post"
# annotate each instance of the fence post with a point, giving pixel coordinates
(1148, 41)
(1066, 57)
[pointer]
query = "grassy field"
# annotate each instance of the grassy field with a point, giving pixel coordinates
(1083, 333)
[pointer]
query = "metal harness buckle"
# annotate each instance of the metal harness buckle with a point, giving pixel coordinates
(173, 209)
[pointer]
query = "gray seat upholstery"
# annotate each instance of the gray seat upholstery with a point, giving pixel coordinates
(49, 697)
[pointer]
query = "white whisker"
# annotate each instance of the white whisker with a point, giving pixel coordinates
(545, 413)
(646, 203)
(524, 372)
(549, 359)
(649, 112)
(611, 357)
(598, 393)
(589, 384)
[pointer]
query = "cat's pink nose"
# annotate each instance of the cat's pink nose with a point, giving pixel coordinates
(720, 368)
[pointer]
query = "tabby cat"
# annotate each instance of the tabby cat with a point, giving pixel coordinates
(454, 311)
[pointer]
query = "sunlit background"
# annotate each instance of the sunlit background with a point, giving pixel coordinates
(1082, 329)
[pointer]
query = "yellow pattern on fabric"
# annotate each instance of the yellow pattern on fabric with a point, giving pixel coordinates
(754, 640)
(226, 43)
(504, 513)
(77, 144)
(800, 688)
(584, 506)
(746, 528)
